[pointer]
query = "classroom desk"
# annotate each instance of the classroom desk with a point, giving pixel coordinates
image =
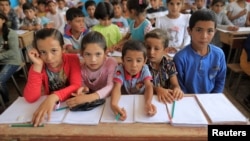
(234, 39)
(25, 38)
(104, 132)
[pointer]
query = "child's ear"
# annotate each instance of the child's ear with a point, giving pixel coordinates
(189, 31)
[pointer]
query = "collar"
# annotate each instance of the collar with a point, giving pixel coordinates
(69, 33)
(129, 77)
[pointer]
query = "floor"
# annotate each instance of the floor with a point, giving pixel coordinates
(243, 91)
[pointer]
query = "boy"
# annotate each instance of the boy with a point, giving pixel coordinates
(62, 8)
(76, 31)
(198, 5)
(30, 22)
(201, 66)
(90, 8)
(13, 21)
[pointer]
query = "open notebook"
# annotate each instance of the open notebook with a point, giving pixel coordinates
(220, 110)
(134, 106)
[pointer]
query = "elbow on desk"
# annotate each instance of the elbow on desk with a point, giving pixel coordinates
(29, 97)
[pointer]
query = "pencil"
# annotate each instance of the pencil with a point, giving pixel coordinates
(173, 107)
(62, 108)
(25, 125)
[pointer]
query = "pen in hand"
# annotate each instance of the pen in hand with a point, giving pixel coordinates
(173, 108)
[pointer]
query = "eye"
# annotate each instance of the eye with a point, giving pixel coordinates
(42, 52)
(98, 54)
(198, 29)
(139, 60)
(210, 31)
(86, 54)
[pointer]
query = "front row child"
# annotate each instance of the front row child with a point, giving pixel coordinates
(132, 77)
(52, 73)
(162, 69)
(97, 70)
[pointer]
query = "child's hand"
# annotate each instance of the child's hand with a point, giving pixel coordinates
(243, 12)
(165, 95)
(44, 110)
(35, 57)
(117, 110)
(232, 28)
(78, 99)
(150, 109)
(82, 90)
(177, 94)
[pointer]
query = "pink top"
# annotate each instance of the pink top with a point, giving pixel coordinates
(39, 81)
(100, 81)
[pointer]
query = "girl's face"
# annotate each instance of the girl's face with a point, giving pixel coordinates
(117, 11)
(93, 56)
(174, 7)
(50, 52)
(218, 7)
(155, 50)
(105, 22)
(133, 61)
(155, 3)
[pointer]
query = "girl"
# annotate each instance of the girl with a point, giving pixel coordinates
(10, 57)
(97, 70)
(163, 70)
(175, 25)
(52, 73)
(132, 77)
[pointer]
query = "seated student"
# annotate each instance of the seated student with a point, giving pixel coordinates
(162, 69)
(97, 70)
(13, 21)
(198, 5)
(62, 8)
(90, 20)
(125, 12)
(30, 22)
(41, 9)
(201, 66)
(104, 13)
(76, 31)
(132, 77)
(52, 73)
(19, 10)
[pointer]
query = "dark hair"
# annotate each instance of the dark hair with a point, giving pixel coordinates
(116, 2)
(7, 1)
(216, 1)
(89, 3)
(138, 5)
(93, 37)
(134, 45)
(104, 10)
(41, 2)
(202, 15)
(44, 33)
(28, 6)
(158, 34)
(5, 31)
(72, 13)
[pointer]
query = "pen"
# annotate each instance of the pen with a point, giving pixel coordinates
(173, 107)
(25, 125)
(62, 108)
(117, 116)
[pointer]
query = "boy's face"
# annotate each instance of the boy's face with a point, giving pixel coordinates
(105, 22)
(202, 34)
(91, 11)
(5, 7)
(155, 49)
(77, 24)
(155, 3)
(174, 7)
(117, 11)
(61, 4)
(124, 5)
(41, 7)
(133, 61)
(199, 3)
(52, 7)
(218, 7)
(29, 13)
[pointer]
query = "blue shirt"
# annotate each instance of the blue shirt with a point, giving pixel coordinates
(137, 33)
(201, 74)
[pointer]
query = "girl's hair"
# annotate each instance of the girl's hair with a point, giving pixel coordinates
(5, 31)
(44, 33)
(158, 34)
(216, 1)
(202, 15)
(134, 45)
(93, 37)
(138, 5)
(104, 10)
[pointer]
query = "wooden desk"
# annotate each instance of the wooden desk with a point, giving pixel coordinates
(104, 132)
(234, 39)
(25, 38)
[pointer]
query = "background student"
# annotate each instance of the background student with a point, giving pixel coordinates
(19, 10)
(13, 21)
(201, 66)
(90, 20)
(132, 77)
(97, 70)
(52, 73)
(162, 69)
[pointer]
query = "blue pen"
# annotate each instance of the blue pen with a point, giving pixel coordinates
(117, 117)
(62, 108)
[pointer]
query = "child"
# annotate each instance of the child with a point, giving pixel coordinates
(10, 57)
(13, 21)
(238, 12)
(132, 77)
(198, 5)
(19, 10)
(163, 70)
(156, 11)
(201, 66)
(97, 70)
(52, 73)
(175, 25)
(90, 20)
(62, 8)
(125, 13)
(57, 18)
(30, 22)
(104, 13)
(222, 21)
(41, 9)
(76, 31)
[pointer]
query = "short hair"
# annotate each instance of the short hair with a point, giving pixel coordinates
(72, 13)
(202, 15)
(104, 10)
(216, 1)
(41, 2)
(7, 1)
(44, 33)
(116, 2)
(93, 37)
(138, 5)
(134, 45)
(158, 34)
(28, 6)
(89, 3)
